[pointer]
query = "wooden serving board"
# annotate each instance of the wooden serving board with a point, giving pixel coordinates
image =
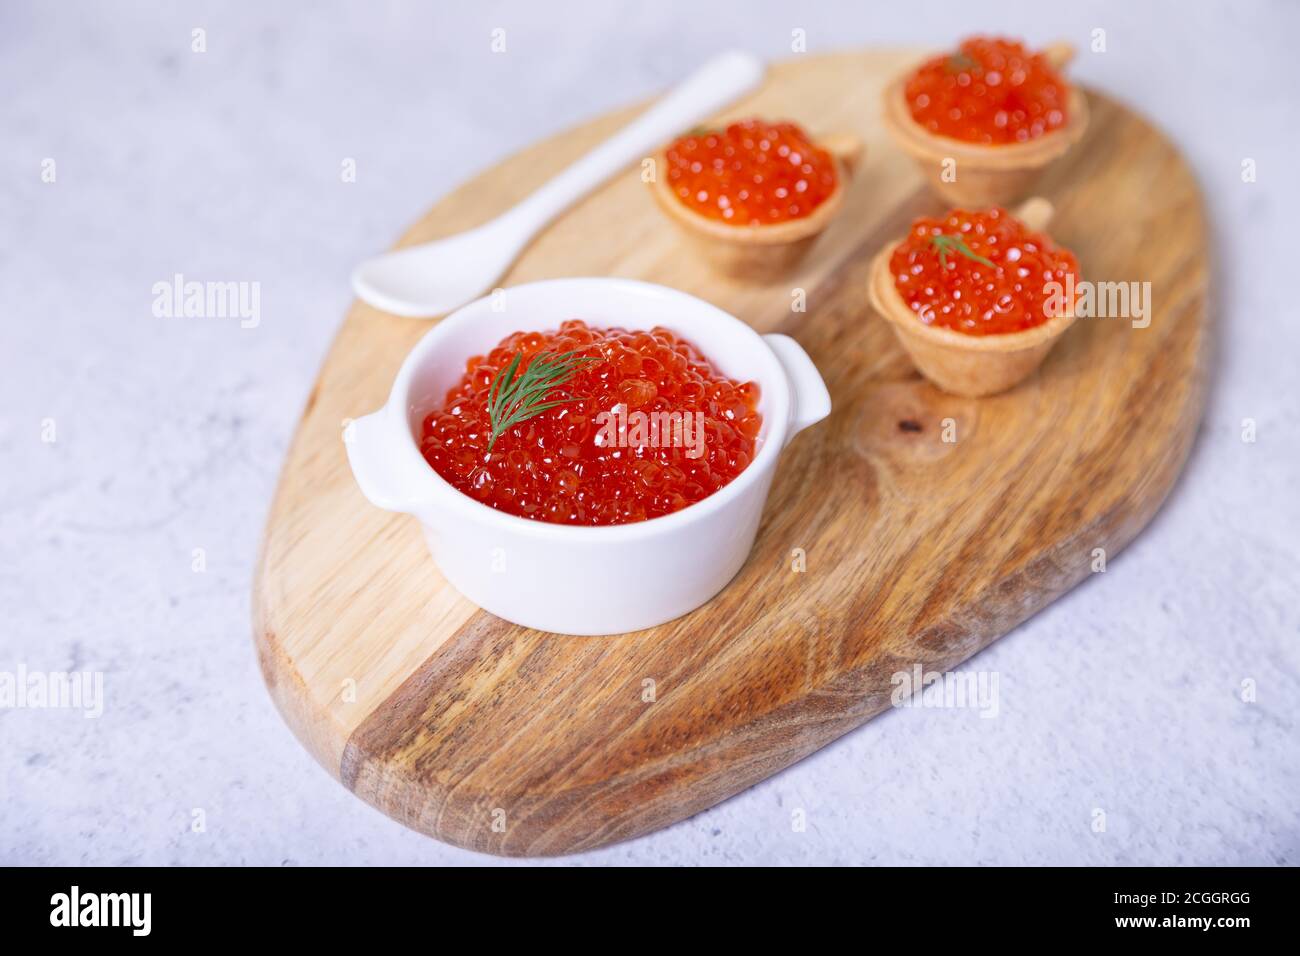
(917, 550)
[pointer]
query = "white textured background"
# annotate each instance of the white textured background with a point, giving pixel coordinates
(1124, 695)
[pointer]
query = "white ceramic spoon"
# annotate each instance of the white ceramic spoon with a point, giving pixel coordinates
(434, 278)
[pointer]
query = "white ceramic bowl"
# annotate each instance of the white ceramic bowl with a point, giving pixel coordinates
(571, 579)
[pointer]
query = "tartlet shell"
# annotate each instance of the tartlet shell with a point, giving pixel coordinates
(968, 365)
(985, 175)
(751, 252)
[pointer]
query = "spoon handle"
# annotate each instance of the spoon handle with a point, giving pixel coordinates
(719, 82)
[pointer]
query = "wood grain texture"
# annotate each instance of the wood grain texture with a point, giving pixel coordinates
(917, 549)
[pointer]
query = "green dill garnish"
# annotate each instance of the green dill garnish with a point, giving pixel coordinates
(515, 396)
(960, 62)
(946, 243)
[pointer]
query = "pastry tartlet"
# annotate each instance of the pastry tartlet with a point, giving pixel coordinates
(977, 299)
(985, 121)
(752, 198)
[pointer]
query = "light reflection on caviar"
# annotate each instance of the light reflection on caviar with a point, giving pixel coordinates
(969, 296)
(991, 91)
(751, 173)
(559, 467)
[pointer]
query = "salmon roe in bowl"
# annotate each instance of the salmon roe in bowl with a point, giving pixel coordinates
(643, 426)
(991, 91)
(981, 273)
(751, 173)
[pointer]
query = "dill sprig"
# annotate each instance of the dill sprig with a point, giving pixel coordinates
(960, 62)
(946, 243)
(515, 396)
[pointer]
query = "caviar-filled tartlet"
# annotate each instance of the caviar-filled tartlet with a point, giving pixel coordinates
(977, 299)
(754, 196)
(590, 426)
(984, 120)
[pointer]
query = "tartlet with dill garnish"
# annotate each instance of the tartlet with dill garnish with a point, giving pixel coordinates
(977, 299)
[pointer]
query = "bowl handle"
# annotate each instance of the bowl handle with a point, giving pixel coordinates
(374, 451)
(810, 402)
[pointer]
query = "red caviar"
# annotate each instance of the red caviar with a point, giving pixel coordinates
(751, 173)
(949, 288)
(991, 91)
(571, 464)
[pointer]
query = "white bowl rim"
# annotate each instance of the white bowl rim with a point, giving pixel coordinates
(443, 494)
